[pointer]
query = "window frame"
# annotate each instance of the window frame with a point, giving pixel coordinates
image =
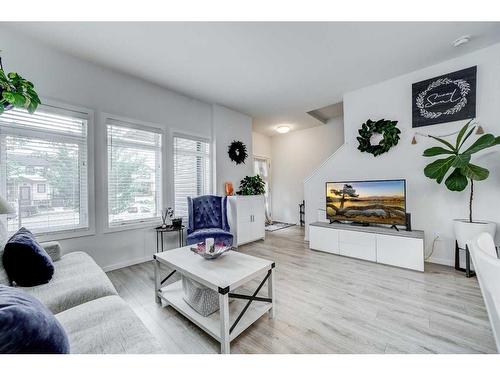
(185, 135)
(63, 108)
(44, 188)
(107, 227)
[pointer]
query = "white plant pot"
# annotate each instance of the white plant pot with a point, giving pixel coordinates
(466, 231)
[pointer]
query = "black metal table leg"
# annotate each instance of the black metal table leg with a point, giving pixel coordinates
(468, 272)
(250, 299)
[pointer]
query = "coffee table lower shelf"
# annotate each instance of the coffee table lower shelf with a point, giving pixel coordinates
(172, 295)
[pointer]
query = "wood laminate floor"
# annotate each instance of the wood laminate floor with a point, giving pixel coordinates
(332, 304)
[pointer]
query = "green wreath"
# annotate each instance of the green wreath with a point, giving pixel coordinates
(388, 130)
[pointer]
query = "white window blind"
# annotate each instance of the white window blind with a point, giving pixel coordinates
(134, 173)
(191, 172)
(43, 162)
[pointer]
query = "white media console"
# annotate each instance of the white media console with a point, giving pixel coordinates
(377, 244)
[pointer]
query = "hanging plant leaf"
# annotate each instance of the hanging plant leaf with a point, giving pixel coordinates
(15, 91)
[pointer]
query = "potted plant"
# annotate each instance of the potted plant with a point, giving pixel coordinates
(15, 91)
(462, 173)
(252, 185)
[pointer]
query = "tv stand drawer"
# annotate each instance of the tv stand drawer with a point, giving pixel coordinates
(358, 251)
(324, 239)
(357, 238)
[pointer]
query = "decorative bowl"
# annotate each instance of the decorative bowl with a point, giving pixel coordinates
(218, 249)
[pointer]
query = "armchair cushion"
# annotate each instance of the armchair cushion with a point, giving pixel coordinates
(217, 234)
(207, 211)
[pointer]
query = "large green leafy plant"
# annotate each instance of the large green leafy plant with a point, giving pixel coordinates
(459, 162)
(15, 91)
(252, 185)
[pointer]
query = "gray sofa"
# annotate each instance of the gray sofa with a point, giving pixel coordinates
(83, 299)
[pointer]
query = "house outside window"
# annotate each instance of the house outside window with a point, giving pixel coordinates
(41, 188)
(43, 169)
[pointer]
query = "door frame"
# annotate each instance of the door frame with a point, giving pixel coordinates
(270, 179)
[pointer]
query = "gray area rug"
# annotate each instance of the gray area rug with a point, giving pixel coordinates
(276, 225)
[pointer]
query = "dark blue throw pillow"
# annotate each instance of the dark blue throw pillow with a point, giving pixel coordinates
(27, 326)
(25, 261)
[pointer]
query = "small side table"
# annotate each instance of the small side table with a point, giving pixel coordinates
(159, 235)
(468, 272)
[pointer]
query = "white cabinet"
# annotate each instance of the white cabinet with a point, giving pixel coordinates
(376, 244)
(324, 239)
(400, 252)
(357, 245)
(247, 219)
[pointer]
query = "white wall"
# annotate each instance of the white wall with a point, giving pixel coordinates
(64, 78)
(231, 126)
(261, 145)
(432, 206)
(294, 156)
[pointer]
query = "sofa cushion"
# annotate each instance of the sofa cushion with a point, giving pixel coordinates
(219, 235)
(77, 279)
(27, 326)
(107, 325)
(53, 248)
(25, 261)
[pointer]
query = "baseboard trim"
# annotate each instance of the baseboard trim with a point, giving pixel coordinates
(442, 261)
(127, 263)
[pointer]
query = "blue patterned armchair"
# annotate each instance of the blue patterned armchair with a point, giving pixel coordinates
(208, 218)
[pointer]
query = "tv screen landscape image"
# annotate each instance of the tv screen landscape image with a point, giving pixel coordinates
(378, 202)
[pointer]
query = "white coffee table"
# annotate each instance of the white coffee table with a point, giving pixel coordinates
(224, 275)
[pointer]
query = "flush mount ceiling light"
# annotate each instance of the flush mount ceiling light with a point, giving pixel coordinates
(460, 41)
(283, 129)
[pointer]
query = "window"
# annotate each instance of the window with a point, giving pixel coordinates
(191, 171)
(41, 188)
(43, 169)
(134, 173)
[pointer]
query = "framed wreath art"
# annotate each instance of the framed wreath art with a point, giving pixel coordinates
(450, 97)
(237, 152)
(461, 101)
(388, 130)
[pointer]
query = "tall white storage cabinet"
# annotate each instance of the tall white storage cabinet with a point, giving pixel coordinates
(247, 219)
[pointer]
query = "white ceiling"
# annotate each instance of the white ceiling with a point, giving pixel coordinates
(275, 72)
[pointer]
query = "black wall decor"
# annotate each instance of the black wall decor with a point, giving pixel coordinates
(237, 152)
(450, 97)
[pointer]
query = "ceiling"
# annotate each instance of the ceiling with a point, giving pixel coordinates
(274, 72)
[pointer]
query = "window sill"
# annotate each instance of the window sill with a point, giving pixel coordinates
(147, 224)
(64, 235)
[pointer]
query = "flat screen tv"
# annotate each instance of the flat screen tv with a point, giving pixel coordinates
(367, 202)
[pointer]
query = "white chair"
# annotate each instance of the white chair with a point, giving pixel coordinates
(487, 265)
